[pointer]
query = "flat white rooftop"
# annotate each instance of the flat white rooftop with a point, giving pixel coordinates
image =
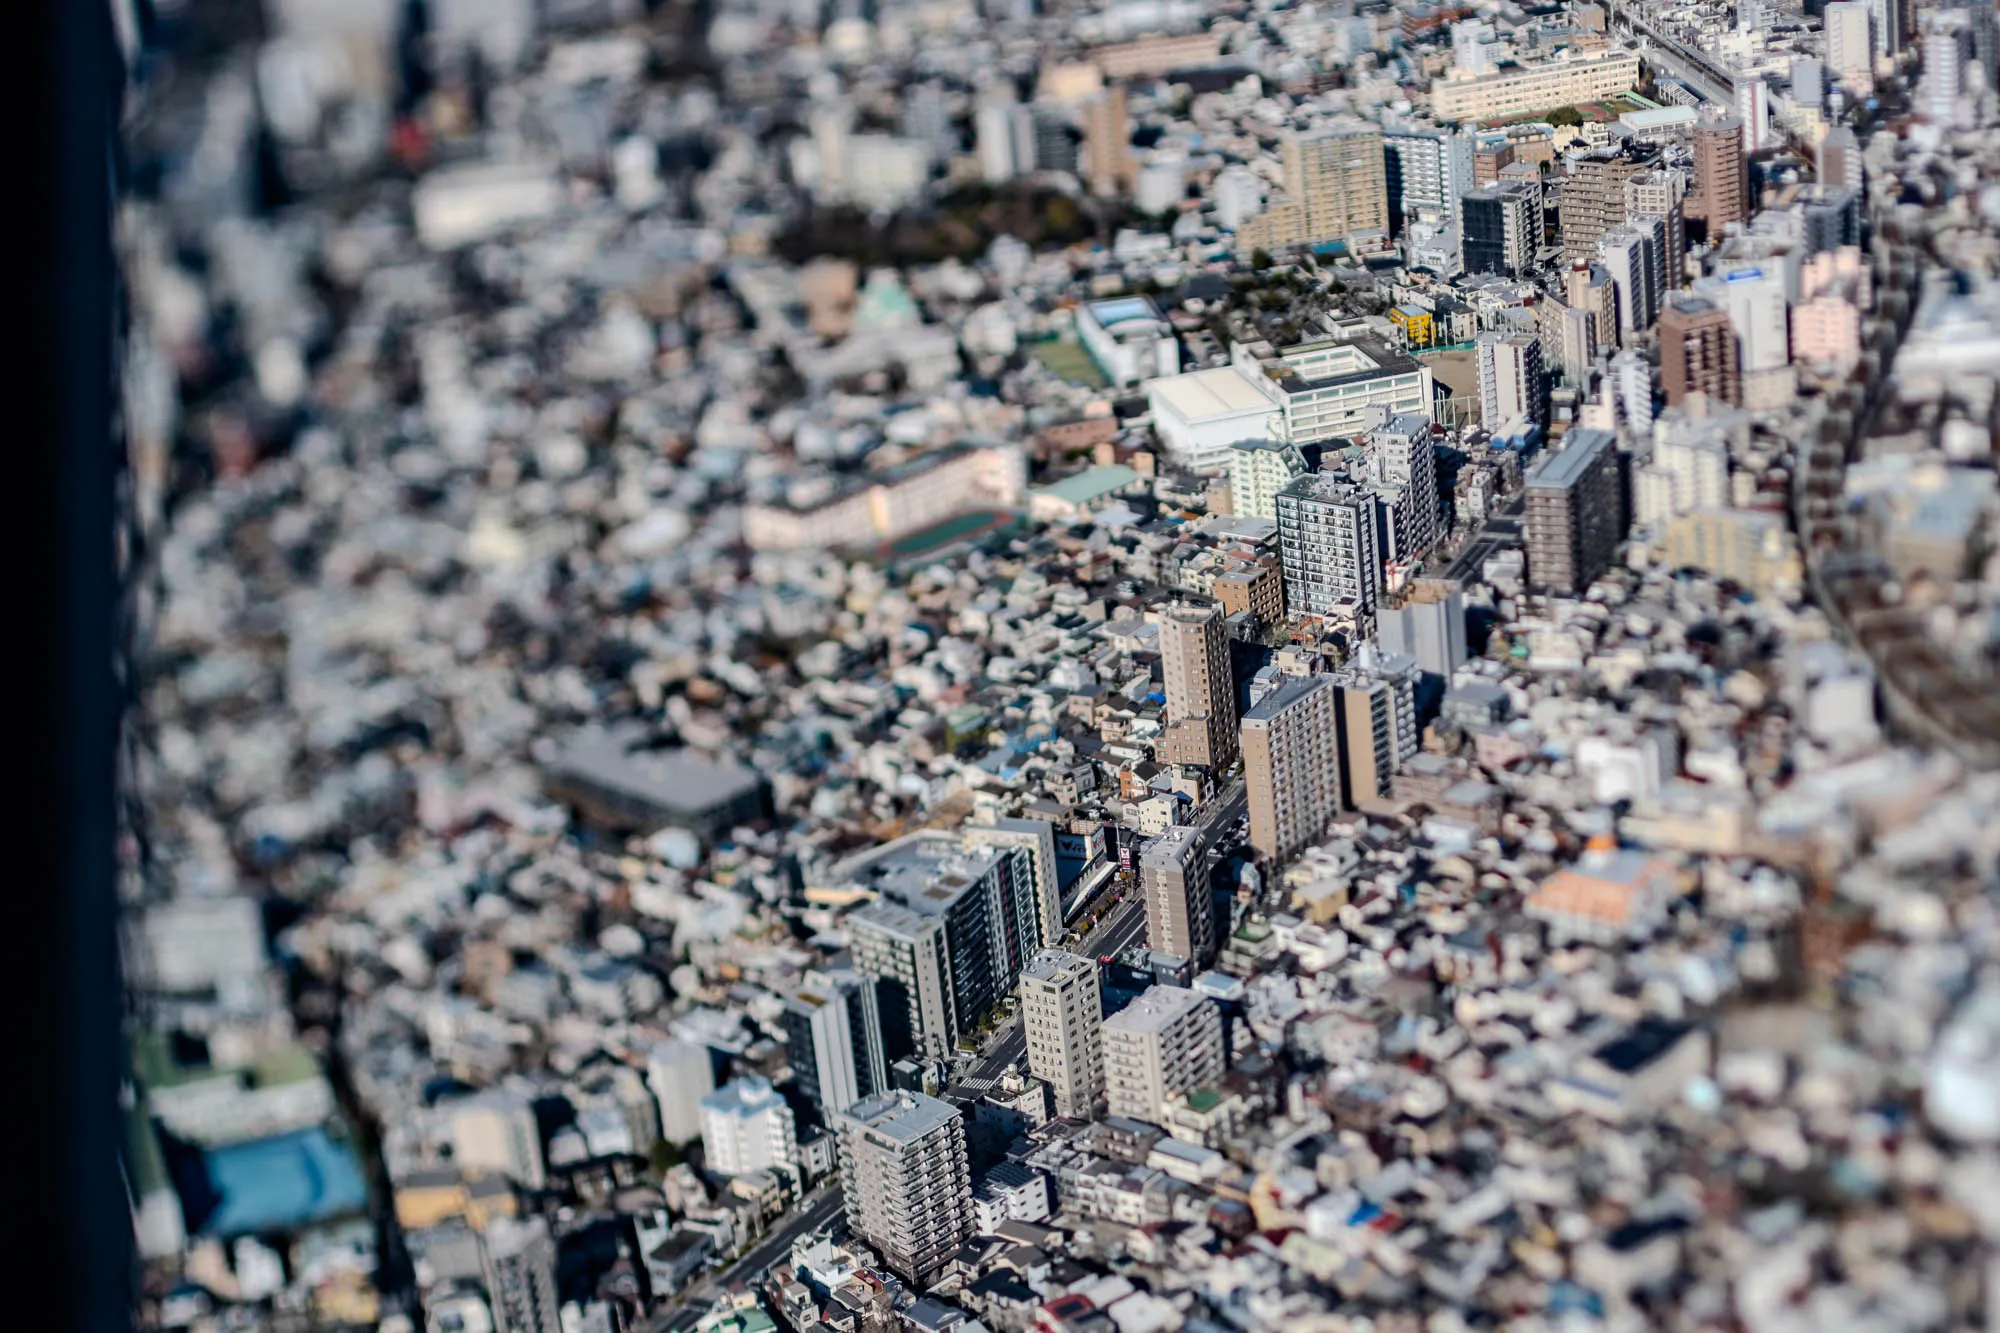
(1201, 395)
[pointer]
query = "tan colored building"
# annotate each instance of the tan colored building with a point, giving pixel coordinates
(1062, 1012)
(1255, 586)
(1721, 193)
(1291, 765)
(1336, 187)
(1611, 893)
(1593, 198)
(1154, 56)
(1200, 688)
(929, 490)
(1173, 878)
(1748, 547)
(1698, 352)
(1107, 143)
(1572, 77)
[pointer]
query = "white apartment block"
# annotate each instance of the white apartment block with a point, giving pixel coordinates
(1062, 1013)
(746, 1126)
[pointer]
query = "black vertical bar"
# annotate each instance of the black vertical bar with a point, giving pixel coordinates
(59, 932)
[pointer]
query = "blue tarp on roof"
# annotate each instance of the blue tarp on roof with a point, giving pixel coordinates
(282, 1183)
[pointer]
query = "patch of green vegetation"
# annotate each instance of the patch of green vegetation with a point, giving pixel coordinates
(1069, 362)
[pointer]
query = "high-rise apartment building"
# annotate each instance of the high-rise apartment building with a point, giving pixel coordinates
(1753, 296)
(1258, 470)
(1721, 194)
(1662, 195)
(1336, 190)
(952, 924)
(1055, 141)
(1575, 513)
(1850, 56)
(1698, 352)
(1107, 143)
(1375, 721)
(1426, 173)
(833, 1034)
(1291, 765)
(680, 1074)
(1036, 838)
(520, 1261)
(1429, 627)
(1634, 253)
(1402, 470)
(1753, 109)
(1512, 384)
(1832, 217)
(1327, 541)
(1062, 1012)
(1593, 198)
(1200, 689)
(1945, 50)
(1173, 879)
(1631, 384)
(746, 1126)
(1165, 1044)
(1500, 228)
(1689, 471)
(1840, 159)
(1004, 137)
(907, 1180)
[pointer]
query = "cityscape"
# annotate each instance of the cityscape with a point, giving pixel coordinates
(1061, 666)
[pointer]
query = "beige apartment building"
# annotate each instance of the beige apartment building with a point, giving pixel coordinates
(1165, 1044)
(1200, 689)
(1568, 79)
(1336, 188)
(1173, 879)
(1291, 765)
(1062, 1014)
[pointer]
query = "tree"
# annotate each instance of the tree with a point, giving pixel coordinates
(1260, 258)
(1565, 115)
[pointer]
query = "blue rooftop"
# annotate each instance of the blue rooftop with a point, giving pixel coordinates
(282, 1183)
(1121, 308)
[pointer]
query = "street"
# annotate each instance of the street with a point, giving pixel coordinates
(691, 1305)
(1122, 926)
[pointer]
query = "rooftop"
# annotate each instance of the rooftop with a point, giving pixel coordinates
(1201, 395)
(1564, 467)
(1092, 484)
(1155, 1011)
(903, 1117)
(1290, 691)
(1120, 309)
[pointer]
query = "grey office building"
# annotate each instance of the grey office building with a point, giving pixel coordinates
(1575, 513)
(833, 1034)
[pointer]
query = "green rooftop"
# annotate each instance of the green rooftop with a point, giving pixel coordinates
(1094, 484)
(1204, 1100)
